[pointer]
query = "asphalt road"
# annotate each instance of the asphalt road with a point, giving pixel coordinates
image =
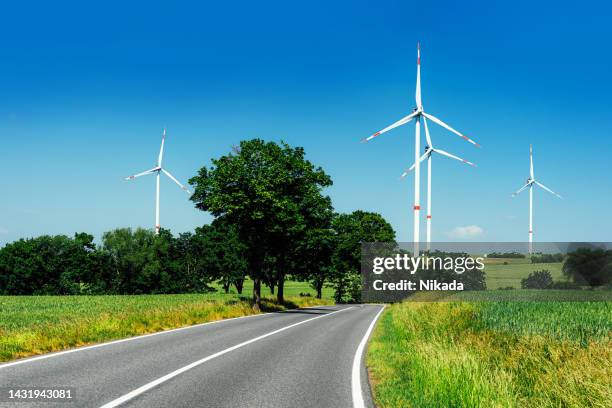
(300, 358)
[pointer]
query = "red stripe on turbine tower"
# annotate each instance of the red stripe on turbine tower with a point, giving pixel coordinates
(417, 207)
(429, 216)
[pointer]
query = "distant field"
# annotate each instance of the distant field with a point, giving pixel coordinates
(501, 276)
(39, 324)
(490, 354)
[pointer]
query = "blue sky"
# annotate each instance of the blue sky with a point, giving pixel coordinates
(86, 89)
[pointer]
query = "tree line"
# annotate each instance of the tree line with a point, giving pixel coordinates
(271, 221)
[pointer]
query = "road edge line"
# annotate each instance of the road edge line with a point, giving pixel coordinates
(356, 389)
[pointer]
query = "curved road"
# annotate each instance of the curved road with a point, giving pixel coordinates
(299, 358)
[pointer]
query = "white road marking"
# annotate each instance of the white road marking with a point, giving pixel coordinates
(356, 374)
(142, 336)
(130, 395)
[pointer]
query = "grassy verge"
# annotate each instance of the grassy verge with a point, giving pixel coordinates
(491, 354)
(39, 324)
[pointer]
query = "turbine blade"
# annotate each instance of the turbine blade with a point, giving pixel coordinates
(427, 137)
(408, 170)
(175, 180)
(417, 95)
(547, 189)
(452, 156)
(521, 189)
(161, 149)
(144, 173)
(444, 125)
(400, 122)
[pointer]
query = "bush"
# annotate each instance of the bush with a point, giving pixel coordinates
(537, 280)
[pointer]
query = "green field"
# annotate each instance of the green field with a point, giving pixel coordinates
(493, 354)
(39, 324)
(503, 276)
(292, 288)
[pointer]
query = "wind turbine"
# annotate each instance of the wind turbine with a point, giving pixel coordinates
(417, 114)
(531, 181)
(429, 150)
(157, 170)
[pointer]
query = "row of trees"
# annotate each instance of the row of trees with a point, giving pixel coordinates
(127, 262)
(547, 258)
(272, 221)
(140, 262)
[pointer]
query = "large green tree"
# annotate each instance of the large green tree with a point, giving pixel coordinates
(264, 189)
(223, 254)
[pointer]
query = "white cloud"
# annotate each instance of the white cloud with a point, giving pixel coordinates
(467, 232)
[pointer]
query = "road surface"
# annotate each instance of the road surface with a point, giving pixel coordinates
(301, 358)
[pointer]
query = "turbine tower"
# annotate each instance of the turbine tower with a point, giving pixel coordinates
(417, 114)
(157, 170)
(531, 181)
(429, 150)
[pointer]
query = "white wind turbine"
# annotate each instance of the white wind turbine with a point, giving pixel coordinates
(157, 170)
(429, 150)
(531, 181)
(417, 114)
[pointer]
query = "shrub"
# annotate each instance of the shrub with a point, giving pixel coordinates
(537, 280)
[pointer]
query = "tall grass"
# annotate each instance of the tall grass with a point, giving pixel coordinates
(462, 354)
(39, 324)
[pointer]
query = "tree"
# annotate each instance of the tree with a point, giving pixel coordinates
(305, 248)
(50, 265)
(261, 188)
(189, 269)
(350, 231)
(318, 250)
(590, 266)
(141, 260)
(537, 280)
(223, 254)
